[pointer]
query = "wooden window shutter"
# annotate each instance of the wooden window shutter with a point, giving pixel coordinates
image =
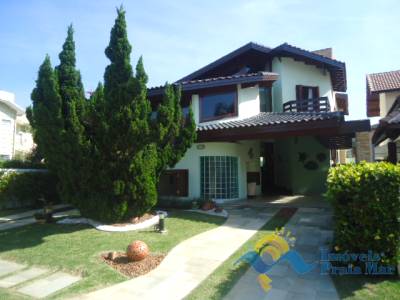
(316, 92)
(299, 92)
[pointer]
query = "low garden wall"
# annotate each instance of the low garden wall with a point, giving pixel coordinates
(365, 199)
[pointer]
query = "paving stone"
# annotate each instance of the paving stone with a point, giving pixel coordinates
(21, 276)
(7, 267)
(310, 295)
(308, 241)
(278, 270)
(327, 295)
(324, 284)
(43, 287)
(275, 294)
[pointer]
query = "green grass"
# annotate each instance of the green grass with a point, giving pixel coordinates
(11, 211)
(367, 287)
(77, 248)
(221, 281)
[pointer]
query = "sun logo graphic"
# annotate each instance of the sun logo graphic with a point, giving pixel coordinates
(277, 248)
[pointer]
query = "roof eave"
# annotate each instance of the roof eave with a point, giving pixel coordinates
(13, 106)
(191, 86)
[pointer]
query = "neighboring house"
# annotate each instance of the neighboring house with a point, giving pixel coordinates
(23, 142)
(383, 100)
(10, 112)
(267, 120)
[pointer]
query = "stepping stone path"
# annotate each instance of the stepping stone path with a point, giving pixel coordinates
(48, 285)
(20, 277)
(7, 267)
(33, 281)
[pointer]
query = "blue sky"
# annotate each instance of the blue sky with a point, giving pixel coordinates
(178, 37)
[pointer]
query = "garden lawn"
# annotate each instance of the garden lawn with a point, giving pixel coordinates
(222, 280)
(367, 287)
(76, 248)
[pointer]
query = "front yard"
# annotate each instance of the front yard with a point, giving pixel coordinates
(77, 248)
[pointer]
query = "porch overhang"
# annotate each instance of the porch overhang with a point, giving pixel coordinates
(329, 125)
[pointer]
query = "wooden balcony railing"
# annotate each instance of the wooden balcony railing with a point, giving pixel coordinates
(319, 105)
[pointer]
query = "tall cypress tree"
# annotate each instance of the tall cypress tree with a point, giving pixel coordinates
(127, 155)
(74, 144)
(45, 115)
(106, 150)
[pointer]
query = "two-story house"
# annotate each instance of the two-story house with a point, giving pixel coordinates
(383, 100)
(267, 121)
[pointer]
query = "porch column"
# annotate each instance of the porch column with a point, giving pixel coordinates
(392, 152)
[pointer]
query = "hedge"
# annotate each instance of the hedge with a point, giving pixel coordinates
(20, 189)
(365, 198)
(21, 164)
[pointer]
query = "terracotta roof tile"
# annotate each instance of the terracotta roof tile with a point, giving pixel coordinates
(386, 81)
(272, 118)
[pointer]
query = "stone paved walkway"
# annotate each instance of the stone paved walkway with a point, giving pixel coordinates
(190, 262)
(312, 229)
(34, 282)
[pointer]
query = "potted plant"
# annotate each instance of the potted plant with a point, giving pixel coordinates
(208, 205)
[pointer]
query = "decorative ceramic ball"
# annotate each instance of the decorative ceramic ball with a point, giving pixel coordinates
(137, 250)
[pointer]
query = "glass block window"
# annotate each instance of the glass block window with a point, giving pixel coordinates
(219, 177)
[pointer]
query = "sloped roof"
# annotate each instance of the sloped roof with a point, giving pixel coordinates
(225, 58)
(385, 81)
(337, 68)
(273, 118)
(389, 126)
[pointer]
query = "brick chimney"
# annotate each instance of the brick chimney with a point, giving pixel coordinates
(327, 52)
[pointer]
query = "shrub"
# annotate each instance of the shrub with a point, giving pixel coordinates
(25, 189)
(365, 198)
(21, 164)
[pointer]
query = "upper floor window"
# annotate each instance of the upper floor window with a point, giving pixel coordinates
(218, 106)
(265, 99)
(306, 92)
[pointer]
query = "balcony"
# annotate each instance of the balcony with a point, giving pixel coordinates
(320, 104)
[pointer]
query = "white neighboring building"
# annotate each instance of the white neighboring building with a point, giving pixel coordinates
(11, 139)
(23, 142)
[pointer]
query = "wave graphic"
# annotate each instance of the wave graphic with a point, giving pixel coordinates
(295, 260)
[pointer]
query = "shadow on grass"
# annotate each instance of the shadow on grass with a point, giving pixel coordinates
(33, 235)
(367, 287)
(195, 216)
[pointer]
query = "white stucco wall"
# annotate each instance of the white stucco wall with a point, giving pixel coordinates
(191, 162)
(292, 73)
(386, 101)
(7, 131)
